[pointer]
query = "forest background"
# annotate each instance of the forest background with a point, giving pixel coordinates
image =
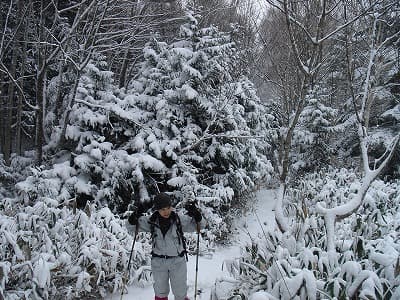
(105, 103)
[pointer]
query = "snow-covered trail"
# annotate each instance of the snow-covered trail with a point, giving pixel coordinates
(211, 268)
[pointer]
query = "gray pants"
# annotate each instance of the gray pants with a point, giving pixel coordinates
(172, 270)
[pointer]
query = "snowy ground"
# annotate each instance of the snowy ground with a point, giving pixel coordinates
(211, 269)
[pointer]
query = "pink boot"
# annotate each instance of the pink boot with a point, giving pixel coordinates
(160, 298)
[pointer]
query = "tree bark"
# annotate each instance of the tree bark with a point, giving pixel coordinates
(18, 127)
(124, 68)
(9, 109)
(9, 106)
(2, 111)
(40, 85)
(59, 98)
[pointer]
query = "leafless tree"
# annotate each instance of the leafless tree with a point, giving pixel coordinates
(379, 60)
(12, 33)
(310, 29)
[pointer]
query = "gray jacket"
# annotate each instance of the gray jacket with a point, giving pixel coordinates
(170, 244)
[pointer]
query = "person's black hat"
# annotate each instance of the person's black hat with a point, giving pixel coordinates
(161, 200)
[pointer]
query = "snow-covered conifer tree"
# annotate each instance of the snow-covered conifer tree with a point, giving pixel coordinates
(311, 140)
(203, 119)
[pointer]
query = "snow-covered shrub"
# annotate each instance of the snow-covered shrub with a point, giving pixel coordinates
(48, 251)
(296, 264)
(16, 171)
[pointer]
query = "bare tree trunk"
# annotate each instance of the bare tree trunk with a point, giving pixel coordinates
(124, 68)
(9, 109)
(2, 111)
(40, 85)
(59, 100)
(18, 127)
(9, 113)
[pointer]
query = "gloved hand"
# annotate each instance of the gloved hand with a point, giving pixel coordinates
(193, 212)
(136, 214)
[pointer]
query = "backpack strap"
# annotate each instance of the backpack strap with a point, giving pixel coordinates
(179, 231)
(152, 221)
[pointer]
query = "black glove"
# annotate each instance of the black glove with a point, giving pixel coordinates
(193, 212)
(136, 214)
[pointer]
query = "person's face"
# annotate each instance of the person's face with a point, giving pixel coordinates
(165, 212)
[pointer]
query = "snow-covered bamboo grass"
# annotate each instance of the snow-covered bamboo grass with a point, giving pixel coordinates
(366, 248)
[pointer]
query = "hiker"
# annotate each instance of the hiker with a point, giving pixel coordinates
(168, 262)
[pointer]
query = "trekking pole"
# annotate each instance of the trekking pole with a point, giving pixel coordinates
(197, 260)
(130, 259)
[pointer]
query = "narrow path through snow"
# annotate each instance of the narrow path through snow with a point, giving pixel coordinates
(211, 268)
